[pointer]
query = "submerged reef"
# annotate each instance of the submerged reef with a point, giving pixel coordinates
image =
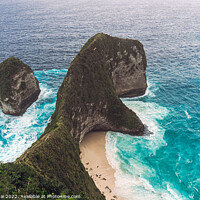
(19, 88)
(88, 100)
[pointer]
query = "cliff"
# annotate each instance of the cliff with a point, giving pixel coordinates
(87, 101)
(105, 68)
(18, 86)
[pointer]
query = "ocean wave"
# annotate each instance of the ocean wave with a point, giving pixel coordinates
(134, 178)
(187, 114)
(128, 185)
(20, 132)
(131, 156)
(150, 113)
(150, 90)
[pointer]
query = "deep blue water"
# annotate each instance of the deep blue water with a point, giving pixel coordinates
(47, 35)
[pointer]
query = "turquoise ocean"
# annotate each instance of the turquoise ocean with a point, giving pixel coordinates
(48, 34)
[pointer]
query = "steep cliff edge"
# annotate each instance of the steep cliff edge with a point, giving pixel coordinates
(126, 61)
(18, 86)
(87, 101)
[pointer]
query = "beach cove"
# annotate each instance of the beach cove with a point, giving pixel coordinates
(93, 157)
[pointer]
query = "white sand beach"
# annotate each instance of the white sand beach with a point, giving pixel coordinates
(93, 157)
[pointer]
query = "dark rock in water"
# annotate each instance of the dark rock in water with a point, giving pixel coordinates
(88, 101)
(18, 86)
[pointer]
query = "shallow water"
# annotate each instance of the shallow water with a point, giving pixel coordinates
(47, 35)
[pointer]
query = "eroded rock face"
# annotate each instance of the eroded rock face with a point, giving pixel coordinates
(128, 69)
(18, 86)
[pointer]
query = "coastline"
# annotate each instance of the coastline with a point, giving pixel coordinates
(93, 157)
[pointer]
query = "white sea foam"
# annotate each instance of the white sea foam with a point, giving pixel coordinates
(187, 115)
(172, 194)
(151, 88)
(128, 186)
(18, 135)
(148, 92)
(132, 174)
(20, 132)
(45, 92)
(133, 185)
(149, 113)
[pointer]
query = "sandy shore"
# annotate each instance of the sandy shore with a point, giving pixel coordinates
(93, 157)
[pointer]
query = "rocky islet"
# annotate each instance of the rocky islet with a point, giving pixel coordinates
(19, 88)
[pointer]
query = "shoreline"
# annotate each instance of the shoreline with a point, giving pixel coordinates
(93, 157)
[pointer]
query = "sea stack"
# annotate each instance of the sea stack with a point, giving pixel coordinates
(18, 86)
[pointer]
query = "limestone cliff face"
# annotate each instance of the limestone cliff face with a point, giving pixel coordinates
(128, 67)
(87, 101)
(18, 86)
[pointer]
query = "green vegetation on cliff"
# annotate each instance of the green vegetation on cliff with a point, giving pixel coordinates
(21, 179)
(57, 156)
